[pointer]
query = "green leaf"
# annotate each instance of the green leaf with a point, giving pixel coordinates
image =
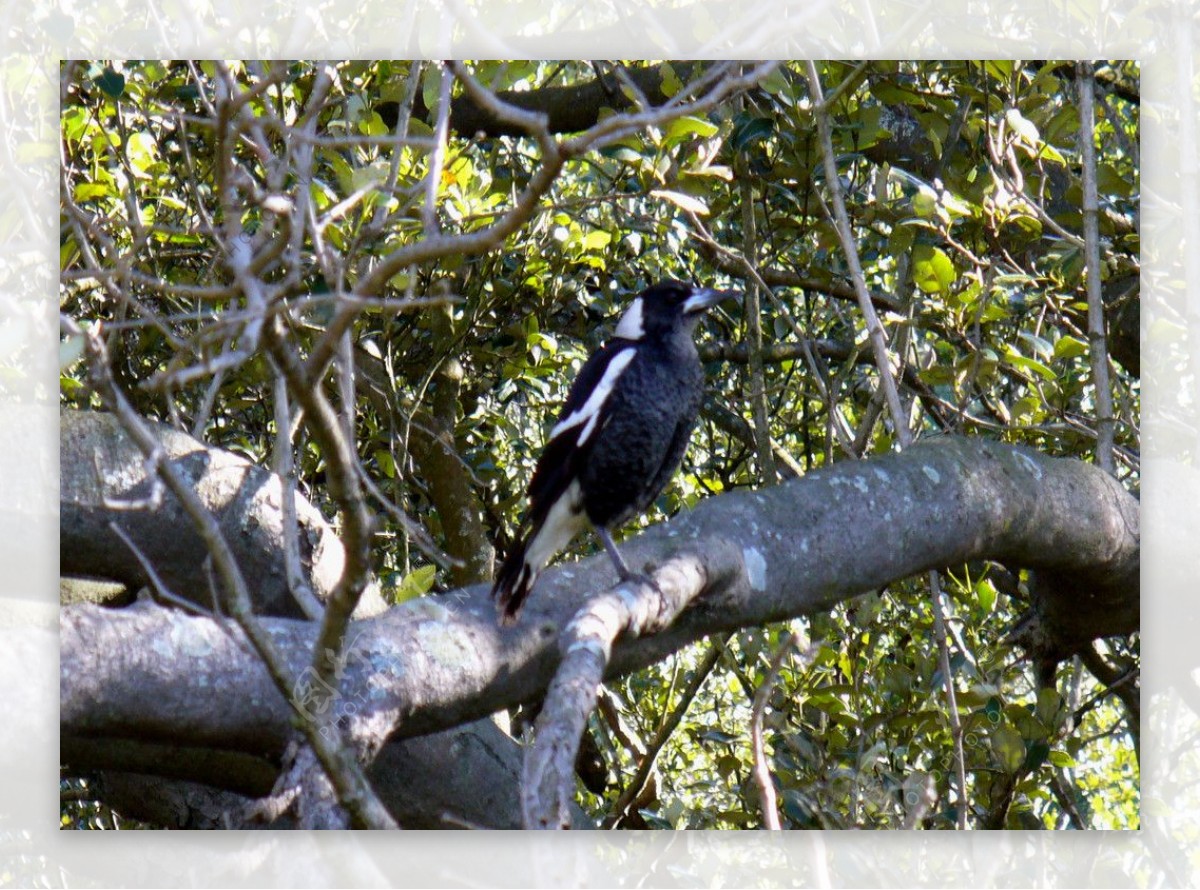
(1000, 70)
(985, 593)
(1029, 226)
(596, 240)
(387, 463)
(1026, 129)
(75, 123)
(728, 765)
(1041, 346)
(1069, 347)
(1108, 180)
(1062, 759)
(933, 271)
(1049, 707)
(716, 171)
(1008, 747)
(1017, 360)
(1049, 152)
(925, 203)
(748, 130)
(416, 583)
(371, 124)
(994, 709)
(1037, 754)
(86, 191)
(688, 125)
(956, 205)
(111, 83)
(142, 152)
(682, 201)
(671, 84)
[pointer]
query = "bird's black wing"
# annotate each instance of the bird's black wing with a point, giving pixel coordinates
(555, 503)
(571, 442)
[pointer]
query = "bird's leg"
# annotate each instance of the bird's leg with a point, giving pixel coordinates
(625, 573)
(614, 554)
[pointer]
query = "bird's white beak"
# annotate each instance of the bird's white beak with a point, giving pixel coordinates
(703, 298)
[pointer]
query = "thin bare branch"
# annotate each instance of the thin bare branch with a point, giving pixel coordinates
(1098, 354)
(762, 773)
(630, 609)
(338, 760)
(646, 765)
(879, 344)
(956, 729)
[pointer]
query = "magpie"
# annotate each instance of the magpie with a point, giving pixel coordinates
(619, 437)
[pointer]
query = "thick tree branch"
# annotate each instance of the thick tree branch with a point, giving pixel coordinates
(795, 549)
(565, 109)
(102, 467)
(343, 771)
(631, 609)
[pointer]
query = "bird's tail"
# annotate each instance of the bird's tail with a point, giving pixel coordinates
(514, 581)
(562, 522)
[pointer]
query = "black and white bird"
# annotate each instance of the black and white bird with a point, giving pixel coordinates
(619, 438)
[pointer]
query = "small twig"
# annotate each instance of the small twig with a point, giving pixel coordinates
(396, 141)
(960, 760)
(1098, 354)
(1112, 688)
(411, 527)
(632, 91)
(663, 735)
(1065, 800)
(753, 318)
(437, 158)
(841, 221)
(204, 409)
(161, 591)
(762, 772)
(285, 469)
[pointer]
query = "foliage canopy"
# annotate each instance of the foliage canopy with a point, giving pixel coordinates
(965, 184)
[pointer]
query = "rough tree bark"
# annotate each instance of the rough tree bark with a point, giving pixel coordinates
(102, 469)
(149, 674)
(423, 781)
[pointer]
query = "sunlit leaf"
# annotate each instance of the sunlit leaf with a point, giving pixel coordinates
(682, 201)
(684, 127)
(416, 583)
(1067, 346)
(933, 271)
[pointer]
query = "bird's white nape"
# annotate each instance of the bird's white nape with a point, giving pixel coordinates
(632, 326)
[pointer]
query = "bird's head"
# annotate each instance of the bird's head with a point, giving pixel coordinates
(668, 306)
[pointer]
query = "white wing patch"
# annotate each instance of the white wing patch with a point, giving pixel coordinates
(589, 412)
(564, 521)
(632, 326)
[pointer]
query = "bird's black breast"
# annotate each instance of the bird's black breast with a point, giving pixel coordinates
(645, 433)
